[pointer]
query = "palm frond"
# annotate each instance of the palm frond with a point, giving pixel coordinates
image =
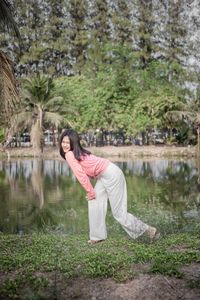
(38, 88)
(8, 86)
(55, 101)
(19, 121)
(6, 18)
(26, 96)
(53, 118)
(58, 104)
(22, 120)
(197, 119)
(55, 104)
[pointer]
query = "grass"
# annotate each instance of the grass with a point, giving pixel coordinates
(34, 260)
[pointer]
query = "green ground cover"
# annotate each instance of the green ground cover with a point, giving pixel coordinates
(33, 260)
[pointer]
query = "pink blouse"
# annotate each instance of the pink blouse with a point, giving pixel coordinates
(90, 165)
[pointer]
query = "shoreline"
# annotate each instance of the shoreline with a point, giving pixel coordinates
(112, 152)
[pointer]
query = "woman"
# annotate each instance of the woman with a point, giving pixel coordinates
(110, 185)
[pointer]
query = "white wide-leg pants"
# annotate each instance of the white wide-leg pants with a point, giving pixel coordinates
(111, 185)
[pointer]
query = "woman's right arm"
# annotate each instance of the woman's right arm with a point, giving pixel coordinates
(80, 174)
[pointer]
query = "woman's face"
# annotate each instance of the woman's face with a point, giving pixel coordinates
(65, 144)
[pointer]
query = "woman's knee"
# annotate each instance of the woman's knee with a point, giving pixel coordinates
(119, 216)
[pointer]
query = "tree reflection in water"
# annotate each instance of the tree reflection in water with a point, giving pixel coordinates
(44, 195)
(37, 181)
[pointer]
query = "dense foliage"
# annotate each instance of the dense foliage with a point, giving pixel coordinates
(114, 67)
(132, 100)
(61, 37)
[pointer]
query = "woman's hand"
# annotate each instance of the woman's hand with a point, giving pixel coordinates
(88, 198)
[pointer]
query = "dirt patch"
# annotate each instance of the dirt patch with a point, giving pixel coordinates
(145, 151)
(183, 248)
(192, 271)
(143, 287)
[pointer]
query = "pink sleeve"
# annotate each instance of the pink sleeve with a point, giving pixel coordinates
(80, 174)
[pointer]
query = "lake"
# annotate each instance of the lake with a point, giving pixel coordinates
(44, 196)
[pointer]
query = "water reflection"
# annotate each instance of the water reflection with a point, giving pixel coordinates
(44, 194)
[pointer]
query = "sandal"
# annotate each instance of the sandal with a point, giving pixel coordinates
(95, 241)
(152, 233)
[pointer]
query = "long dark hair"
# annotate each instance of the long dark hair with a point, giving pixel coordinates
(75, 144)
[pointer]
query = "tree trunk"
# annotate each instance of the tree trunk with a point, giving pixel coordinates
(41, 117)
(198, 154)
(198, 142)
(36, 138)
(53, 136)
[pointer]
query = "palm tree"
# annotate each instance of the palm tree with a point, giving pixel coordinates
(39, 107)
(8, 88)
